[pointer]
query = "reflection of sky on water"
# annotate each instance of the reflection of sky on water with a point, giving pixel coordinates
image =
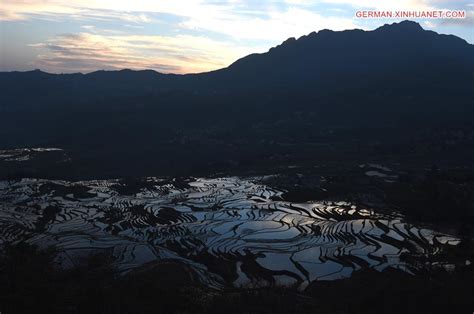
(241, 224)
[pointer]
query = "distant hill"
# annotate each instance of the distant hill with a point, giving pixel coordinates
(398, 79)
(389, 51)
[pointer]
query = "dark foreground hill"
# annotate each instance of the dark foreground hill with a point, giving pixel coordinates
(398, 91)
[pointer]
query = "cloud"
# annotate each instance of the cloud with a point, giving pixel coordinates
(385, 4)
(24, 9)
(468, 21)
(276, 26)
(237, 19)
(21, 9)
(86, 52)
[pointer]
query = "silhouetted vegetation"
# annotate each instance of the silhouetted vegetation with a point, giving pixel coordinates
(32, 283)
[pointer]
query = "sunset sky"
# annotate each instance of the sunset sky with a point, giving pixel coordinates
(63, 36)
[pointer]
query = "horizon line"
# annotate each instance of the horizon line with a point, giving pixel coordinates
(219, 69)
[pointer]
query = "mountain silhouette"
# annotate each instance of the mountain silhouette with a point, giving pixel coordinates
(397, 79)
(387, 51)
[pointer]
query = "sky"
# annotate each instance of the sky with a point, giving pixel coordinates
(189, 36)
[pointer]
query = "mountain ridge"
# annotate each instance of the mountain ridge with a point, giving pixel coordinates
(403, 26)
(323, 92)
